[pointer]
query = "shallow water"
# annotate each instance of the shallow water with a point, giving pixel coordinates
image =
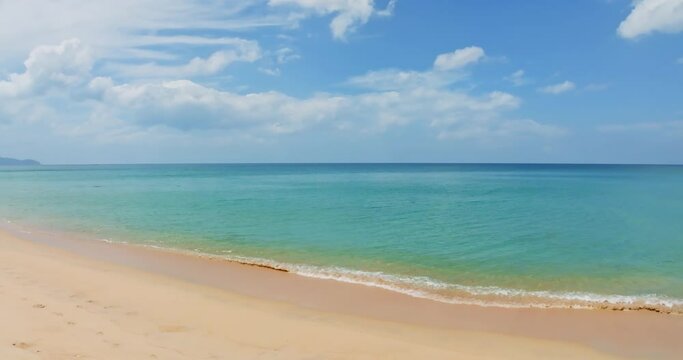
(545, 235)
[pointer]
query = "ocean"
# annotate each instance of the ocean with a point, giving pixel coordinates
(605, 236)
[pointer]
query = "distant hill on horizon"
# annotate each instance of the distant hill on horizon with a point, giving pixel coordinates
(10, 161)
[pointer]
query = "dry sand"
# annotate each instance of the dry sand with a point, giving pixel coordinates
(73, 299)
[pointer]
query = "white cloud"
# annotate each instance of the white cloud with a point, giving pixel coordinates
(517, 78)
(458, 58)
(650, 16)
(447, 69)
(348, 14)
(101, 108)
(241, 51)
(134, 39)
(558, 88)
(63, 65)
(389, 10)
(270, 71)
(680, 60)
(111, 25)
(159, 37)
(186, 105)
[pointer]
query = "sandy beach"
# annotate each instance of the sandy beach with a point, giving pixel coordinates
(341, 179)
(67, 298)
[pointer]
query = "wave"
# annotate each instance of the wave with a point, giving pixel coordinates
(429, 288)
(432, 289)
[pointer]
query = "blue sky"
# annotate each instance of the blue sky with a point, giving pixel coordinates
(342, 81)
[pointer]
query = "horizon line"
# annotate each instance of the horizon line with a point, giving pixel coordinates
(360, 163)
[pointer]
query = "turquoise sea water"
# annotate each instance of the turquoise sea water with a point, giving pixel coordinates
(542, 235)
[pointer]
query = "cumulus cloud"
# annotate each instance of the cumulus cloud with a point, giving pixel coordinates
(348, 14)
(186, 105)
(158, 38)
(458, 58)
(558, 88)
(447, 69)
(396, 98)
(47, 67)
(650, 16)
(122, 109)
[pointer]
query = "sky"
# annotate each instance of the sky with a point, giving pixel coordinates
(171, 81)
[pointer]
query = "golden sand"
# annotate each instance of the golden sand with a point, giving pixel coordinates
(74, 299)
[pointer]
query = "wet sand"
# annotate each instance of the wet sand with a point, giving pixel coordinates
(64, 297)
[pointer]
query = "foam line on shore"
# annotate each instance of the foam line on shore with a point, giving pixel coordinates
(432, 289)
(428, 288)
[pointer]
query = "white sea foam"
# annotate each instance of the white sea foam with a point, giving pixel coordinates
(109, 241)
(428, 288)
(425, 287)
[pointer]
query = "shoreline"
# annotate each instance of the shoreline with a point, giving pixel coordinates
(419, 287)
(621, 333)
